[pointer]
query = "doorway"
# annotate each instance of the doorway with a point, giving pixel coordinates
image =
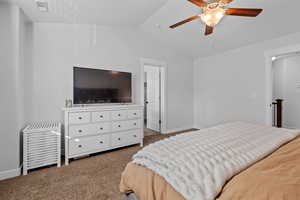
(286, 87)
(270, 55)
(153, 96)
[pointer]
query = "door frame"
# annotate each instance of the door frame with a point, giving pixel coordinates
(163, 68)
(269, 78)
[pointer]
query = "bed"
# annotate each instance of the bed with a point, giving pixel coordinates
(245, 161)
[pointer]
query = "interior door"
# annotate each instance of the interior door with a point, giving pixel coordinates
(153, 97)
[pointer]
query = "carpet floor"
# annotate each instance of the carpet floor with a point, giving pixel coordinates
(149, 132)
(93, 178)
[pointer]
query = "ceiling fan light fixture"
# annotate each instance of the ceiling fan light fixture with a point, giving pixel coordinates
(220, 15)
(206, 18)
(212, 16)
(213, 11)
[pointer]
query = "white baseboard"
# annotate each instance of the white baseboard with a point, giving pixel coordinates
(198, 127)
(168, 131)
(10, 173)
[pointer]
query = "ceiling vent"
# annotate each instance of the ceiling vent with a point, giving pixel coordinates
(42, 5)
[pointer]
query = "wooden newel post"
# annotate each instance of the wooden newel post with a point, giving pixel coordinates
(279, 112)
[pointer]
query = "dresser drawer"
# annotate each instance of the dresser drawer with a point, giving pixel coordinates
(82, 145)
(80, 130)
(118, 139)
(102, 127)
(119, 126)
(133, 124)
(134, 137)
(132, 114)
(119, 115)
(130, 137)
(79, 118)
(100, 116)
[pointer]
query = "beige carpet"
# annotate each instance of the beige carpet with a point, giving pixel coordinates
(93, 178)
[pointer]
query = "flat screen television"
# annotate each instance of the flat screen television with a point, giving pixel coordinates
(97, 86)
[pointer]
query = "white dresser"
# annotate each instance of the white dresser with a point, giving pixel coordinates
(94, 129)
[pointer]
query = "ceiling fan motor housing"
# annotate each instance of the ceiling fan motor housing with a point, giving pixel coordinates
(213, 1)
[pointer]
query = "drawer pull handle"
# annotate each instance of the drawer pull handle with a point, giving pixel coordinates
(101, 142)
(134, 124)
(80, 118)
(134, 136)
(80, 131)
(101, 128)
(119, 115)
(101, 116)
(134, 113)
(119, 126)
(119, 138)
(80, 146)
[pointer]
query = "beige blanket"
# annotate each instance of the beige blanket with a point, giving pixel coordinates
(277, 177)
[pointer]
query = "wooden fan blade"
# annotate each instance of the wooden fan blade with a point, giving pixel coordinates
(227, 1)
(185, 21)
(199, 3)
(244, 12)
(209, 30)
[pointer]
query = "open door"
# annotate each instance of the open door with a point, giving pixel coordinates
(153, 97)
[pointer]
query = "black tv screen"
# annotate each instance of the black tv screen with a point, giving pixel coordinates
(95, 86)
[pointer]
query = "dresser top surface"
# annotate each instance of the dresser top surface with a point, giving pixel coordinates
(103, 107)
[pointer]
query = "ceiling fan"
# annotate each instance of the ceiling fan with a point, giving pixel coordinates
(212, 13)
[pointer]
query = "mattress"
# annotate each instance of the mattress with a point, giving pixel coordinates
(277, 176)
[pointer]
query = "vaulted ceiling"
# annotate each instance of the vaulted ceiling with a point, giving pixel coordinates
(102, 12)
(154, 17)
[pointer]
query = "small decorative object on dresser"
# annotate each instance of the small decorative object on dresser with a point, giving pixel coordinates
(99, 128)
(69, 103)
(41, 145)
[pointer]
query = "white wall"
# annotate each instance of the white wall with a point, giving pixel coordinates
(287, 87)
(232, 86)
(12, 23)
(36, 73)
(59, 47)
(28, 70)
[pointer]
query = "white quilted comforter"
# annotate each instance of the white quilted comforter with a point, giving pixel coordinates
(197, 164)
